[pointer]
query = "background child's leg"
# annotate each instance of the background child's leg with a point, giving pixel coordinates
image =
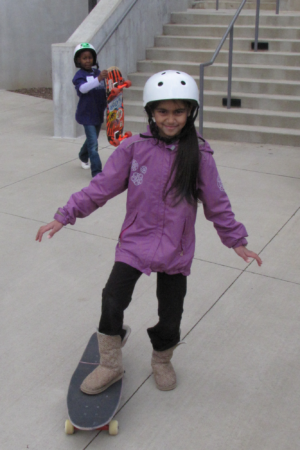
(92, 133)
(84, 154)
(116, 297)
(171, 290)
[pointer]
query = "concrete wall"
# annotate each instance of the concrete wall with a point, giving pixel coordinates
(125, 47)
(27, 30)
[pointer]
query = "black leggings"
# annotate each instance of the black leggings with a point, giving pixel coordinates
(117, 294)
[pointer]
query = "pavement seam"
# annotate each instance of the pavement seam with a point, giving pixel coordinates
(119, 410)
(245, 270)
(257, 171)
(39, 173)
(248, 271)
(273, 278)
(218, 264)
(213, 305)
(69, 229)
(276, 234)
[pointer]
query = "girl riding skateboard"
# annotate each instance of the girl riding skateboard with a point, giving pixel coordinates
(166, 171)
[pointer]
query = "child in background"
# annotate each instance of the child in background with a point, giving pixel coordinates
(90, 86)
(166, 172)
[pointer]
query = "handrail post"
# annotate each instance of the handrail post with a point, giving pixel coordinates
(209, 63)
(257, 25)
(201, 99)
(230, 69)
(277, 6)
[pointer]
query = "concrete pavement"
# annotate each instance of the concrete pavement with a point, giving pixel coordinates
(238, 374)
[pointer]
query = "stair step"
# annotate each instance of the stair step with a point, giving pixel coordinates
(276, 102)
(251, 134)
(239, 116)
(267, 6)
(229, 132)
(239, 70)
(198, 17)
(246, 31)
(250, 85)
(202, 56)
(251, 117)
(208, 42)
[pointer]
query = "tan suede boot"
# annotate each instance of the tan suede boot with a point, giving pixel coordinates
(164, 374)
(110, 369)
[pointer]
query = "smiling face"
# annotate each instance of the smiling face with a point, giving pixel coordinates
(170, 117)
(85, 60)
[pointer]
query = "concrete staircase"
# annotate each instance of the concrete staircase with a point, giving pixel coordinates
(267, 82)
(267, 5)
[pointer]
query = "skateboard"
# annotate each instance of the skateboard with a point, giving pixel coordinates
(91, 412)
(115, 108)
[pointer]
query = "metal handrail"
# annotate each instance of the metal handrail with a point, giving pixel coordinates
(229, 31)
(257, 21)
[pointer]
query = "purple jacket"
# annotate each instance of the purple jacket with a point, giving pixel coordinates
(156, 236)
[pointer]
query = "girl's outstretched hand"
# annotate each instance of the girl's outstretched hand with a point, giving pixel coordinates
(246, 254)
(54, 226)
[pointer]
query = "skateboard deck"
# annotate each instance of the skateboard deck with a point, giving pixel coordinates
(115, 108)
(91, 412)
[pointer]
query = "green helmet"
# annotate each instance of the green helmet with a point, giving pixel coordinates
(83, 47)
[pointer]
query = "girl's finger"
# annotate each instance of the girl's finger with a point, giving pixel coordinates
(39, 235)
(257, 258)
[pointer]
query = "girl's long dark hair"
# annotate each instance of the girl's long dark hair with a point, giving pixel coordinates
(184, 172)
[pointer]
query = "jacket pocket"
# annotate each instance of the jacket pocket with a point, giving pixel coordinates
(126, 225)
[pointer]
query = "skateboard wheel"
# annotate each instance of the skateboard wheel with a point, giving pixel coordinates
(115, 142)
(69, 429)
(113, 428)
(128, 134)
(127, 83)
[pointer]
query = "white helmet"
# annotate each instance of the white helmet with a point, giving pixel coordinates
(81, 48)
(170, 85)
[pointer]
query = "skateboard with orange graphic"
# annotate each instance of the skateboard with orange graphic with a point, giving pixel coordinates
(115, 108)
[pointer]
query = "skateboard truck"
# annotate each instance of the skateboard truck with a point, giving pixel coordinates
(117, 141)
(116, 90)
(112, 427)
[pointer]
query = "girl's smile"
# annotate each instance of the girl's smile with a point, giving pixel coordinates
(170, 117)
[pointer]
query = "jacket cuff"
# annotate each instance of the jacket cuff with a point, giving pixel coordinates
(240, 242)
(60, 217)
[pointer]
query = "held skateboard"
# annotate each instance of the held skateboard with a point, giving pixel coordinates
(91, 412)
(115, 109)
